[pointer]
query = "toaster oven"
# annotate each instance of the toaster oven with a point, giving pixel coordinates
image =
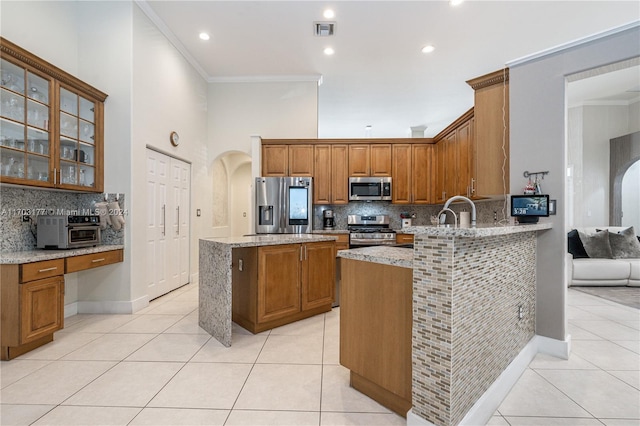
(66, 232)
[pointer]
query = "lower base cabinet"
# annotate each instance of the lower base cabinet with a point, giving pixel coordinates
(32, 299)
(375, 331)
(280, 284)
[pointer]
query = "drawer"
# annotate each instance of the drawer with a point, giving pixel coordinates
(404, 238)
(93, 260)
(39, 270)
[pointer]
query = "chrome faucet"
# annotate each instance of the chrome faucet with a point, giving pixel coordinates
(460, 197)
(443, 212)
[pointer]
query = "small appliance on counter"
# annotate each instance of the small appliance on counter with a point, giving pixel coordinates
(67, 232)
(328, 221)
(284, 205)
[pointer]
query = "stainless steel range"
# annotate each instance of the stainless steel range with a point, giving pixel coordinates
(370, 231)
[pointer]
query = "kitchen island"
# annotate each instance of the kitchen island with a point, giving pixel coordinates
(473, 312)
(263, 281)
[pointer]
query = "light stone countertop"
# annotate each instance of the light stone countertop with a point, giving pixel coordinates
(28, 256)
(332, 231)
(394, 256)
(267, 240)
(481, 230)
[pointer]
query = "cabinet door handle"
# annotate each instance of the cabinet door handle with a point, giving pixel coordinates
(98, 260)
(473, 186)
(164, 219)
(48, 269)
(240, 265)
(178, 209)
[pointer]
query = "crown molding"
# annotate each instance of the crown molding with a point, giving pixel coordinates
(316, 78)
(164, 29)
(584, 40)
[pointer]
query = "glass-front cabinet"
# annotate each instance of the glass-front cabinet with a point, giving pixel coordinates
(51, 125)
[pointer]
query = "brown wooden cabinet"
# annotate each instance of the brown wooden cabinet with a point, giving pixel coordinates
(454, 158)
(412, 173)
(287, 160)
(491, 133)
(369, 160)
(32, 299)
(42, 308)
(330, 174)
(276, 285)
(278, 281)
(375, 330)
(339, 174)
(32, 305)
(404, 238)
(51, 133)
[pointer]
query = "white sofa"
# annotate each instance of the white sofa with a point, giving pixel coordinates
(603, 272)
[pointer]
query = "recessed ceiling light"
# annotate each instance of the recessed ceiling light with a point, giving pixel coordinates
(329, 51)
(428, 48)
(455, 2)
(204, 36)
(329, 14)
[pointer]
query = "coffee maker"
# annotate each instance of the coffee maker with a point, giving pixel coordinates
(328, 221)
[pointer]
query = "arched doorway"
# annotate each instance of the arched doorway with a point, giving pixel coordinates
(231, 200)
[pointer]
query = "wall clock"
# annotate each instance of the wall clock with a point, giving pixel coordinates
(174, 138)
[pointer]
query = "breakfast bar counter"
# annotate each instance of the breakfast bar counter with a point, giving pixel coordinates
(217, 272)
(470, 299)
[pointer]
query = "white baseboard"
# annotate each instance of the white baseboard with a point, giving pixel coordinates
(70, 309)
(194, 277)
(553, 347)
(489, 402)
(113, 307)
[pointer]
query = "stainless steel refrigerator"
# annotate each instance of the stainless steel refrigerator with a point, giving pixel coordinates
(284, 205)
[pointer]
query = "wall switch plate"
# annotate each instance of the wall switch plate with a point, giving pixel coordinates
(198, 212)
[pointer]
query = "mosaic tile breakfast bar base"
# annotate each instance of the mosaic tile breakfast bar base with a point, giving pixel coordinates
(473, 312)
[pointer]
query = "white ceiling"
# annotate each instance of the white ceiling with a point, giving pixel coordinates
(378, 76)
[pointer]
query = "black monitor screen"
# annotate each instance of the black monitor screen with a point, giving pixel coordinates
(530, 205)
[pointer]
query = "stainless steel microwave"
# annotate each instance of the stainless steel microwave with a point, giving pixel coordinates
(370, 189)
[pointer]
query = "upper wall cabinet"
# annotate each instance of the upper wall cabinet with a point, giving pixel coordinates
(370, 160)
(287, 160)
(51, 125)
(491, 133)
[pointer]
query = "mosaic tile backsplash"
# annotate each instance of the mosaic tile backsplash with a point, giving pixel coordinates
(14, 202)
(466, 295)
(484, 212)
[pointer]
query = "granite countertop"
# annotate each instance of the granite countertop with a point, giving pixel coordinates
(481, 230)
(332, 231)
(394, 256)
(36, 255)
(268, 239)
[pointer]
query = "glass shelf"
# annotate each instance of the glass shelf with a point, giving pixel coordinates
(12, 77)
(38, 88)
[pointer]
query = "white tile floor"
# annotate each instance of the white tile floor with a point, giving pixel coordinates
(157, 367)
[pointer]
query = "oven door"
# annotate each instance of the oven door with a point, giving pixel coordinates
(83, 236)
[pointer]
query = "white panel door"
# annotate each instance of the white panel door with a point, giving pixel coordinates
(168, 223)
(157, 243)
(184, 215)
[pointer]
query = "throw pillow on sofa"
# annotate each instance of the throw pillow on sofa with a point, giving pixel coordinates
(624, 244)
(597, 245)
(575, 246)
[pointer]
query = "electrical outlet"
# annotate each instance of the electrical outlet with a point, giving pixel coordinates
(198, 212)
(520, 312)
(26, 218)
